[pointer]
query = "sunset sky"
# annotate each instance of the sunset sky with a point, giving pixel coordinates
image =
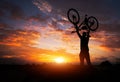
(38, 31)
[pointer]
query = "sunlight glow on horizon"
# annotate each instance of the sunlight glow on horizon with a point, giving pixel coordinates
(59, 60)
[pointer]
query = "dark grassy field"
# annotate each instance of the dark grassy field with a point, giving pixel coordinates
(59, 73)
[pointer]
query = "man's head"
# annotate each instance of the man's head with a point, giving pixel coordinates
(84, 34)
(84, 27)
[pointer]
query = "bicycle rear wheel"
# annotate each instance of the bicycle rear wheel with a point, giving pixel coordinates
(93, 23)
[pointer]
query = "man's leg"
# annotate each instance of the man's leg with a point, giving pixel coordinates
(81, 57)
(88, 58)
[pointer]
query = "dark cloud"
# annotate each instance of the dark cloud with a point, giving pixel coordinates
(86, 6)
(4, 26)
(112, 41)
(8, 55)
(110, 26)
(109, 40)
(37, 18)
(13, 61)
(108, 33)
(1, 13)
(11, 10)
(13, 54)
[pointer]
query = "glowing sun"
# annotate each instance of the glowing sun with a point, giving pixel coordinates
(59, 60)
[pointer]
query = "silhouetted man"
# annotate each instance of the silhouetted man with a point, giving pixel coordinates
(84, 54)
(84, 39)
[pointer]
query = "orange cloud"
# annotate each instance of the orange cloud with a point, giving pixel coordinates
(105, 48)
(19, 37)
(35, 55)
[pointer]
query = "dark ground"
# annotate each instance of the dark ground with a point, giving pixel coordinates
(59, 73)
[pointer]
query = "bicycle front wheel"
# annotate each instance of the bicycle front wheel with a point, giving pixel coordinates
(73, 16)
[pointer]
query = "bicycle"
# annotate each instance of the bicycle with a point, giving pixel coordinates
(90, 22)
